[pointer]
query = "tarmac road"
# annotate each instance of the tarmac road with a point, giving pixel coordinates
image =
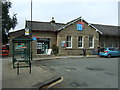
(84, 72)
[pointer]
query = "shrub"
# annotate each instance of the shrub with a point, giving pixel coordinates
(55, 49)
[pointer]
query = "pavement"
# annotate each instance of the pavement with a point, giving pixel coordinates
(64, 57)
(40, 76)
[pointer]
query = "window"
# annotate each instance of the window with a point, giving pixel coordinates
(43, 45)
(91, 42)
(116, 45)
(79, 27)
(111, 49)
(102, 43)
(69, 42)
(110, 44)
(80, 42)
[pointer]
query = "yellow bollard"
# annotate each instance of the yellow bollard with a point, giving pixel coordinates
(88, 55)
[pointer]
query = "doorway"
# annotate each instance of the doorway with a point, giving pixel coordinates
(43, 44)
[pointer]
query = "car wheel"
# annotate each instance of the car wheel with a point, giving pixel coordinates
(109, 56)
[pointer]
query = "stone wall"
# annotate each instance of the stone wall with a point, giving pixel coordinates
(74, 33)
(39, 34)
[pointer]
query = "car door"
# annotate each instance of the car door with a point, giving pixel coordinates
(113, 52)
(118, 52)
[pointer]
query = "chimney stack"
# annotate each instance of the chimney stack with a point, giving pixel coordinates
(53, 21)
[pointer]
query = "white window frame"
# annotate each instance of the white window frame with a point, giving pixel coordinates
(69, 41)
(81, 41)
(92, 42)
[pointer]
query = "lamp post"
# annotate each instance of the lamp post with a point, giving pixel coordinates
(31, 30)
(31, 20)
(28, 31)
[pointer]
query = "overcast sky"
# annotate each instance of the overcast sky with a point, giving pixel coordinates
(93, 11)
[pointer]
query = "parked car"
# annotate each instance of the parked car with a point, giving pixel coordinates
(109, 52)
(4, 50)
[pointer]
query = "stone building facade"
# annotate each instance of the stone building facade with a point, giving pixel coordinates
(69, 39)
(75, 35)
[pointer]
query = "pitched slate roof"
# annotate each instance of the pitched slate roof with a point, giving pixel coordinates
(44, 26)
(102, 29)
(49, 26)
(107, 29)
(75, 20)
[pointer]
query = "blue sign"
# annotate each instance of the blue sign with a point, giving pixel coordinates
(34, 38)
(79, 27)
(62, 44)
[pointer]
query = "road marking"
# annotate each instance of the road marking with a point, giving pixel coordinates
(56, 82)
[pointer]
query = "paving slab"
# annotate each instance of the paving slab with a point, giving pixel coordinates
(39, 76)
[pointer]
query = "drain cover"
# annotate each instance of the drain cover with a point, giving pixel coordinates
(76, 84)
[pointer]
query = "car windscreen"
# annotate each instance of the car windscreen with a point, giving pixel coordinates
(112, 49)
(102, 49)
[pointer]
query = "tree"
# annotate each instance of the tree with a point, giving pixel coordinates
(7, 21)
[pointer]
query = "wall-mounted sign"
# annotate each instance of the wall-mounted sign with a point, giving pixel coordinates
(34, 37)
(80, 26)
(43, 39)
(63, 43)
(26, 31)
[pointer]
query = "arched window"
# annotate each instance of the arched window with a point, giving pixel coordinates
(91, 42)
(80, 42)
(69, 42)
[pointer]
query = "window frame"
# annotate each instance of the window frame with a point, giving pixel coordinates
(80, 41)
(69, 42)
(92, 42)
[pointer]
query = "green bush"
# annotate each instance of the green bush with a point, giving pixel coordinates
(55, 49)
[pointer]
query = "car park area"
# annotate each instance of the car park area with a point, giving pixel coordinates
(84, 72)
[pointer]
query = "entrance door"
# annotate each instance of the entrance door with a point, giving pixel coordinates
(43, 45)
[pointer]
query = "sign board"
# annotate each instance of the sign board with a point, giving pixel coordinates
(63, 43)
(26, 31)
(34, 38)
(49, 51)
(43, 39)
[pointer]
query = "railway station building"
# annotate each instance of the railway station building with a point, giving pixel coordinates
(70, 38)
